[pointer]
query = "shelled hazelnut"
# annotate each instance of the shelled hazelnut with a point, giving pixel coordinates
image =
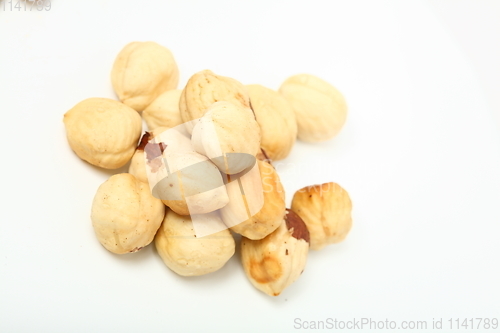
(188, 255)
(125, 215)
(103, 132)
(320, 108)
(326, 210)
(277, 121)
(142, 71)
(275, 262)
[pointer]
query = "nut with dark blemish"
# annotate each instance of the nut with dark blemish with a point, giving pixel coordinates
(276, 261)
(326, 210)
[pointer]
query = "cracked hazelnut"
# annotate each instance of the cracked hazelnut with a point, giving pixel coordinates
(275, 262)
(103, 132)
(261, 186)
(125, 215)
(164, 110)
(141, 72)
(320, 108)
(276, 119)
(326, 210)
(229, 135)
(205, 88)
(188, 255)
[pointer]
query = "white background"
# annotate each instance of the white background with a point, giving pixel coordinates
(419, 155)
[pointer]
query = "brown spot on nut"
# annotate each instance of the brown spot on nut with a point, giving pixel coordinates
(144, 140)
(299, 227)
(266, 270)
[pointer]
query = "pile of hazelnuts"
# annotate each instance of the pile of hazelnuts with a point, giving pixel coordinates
(202, 173)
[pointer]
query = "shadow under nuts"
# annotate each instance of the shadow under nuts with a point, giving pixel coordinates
(326, 210)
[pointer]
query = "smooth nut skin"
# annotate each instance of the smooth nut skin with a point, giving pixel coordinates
(228, 130)
(276, 119)
(269, 217)
(321, 110)
(275, 262)
(142, 71)
(205, 88)
(164, 110)
(187, 255)
(103, 132)
(125, 215)
(326, 210)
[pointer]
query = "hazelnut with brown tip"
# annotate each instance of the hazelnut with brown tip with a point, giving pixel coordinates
(275, 262)
(326, 210)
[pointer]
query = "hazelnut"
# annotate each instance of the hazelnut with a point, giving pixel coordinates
(103, 132)
(188, 255)
(205, 88)
(170, 140)
(261, 187)
(229, 135)
(184, 180)
(275, 262)
(326, 210)
(143, 71)
(276, 119)
(321, 110)
(164, 111)
(125, 215)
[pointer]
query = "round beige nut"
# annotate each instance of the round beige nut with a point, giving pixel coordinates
(326, 210)
(125, 215)
(164, 111)
(187, 255)
(205, 88)
(264, 185)
(103, 132)
(195, 187)
(321, 109)
(171, 140)
(275, 262)
(142, 71)
(229, 135)
(276, 119)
